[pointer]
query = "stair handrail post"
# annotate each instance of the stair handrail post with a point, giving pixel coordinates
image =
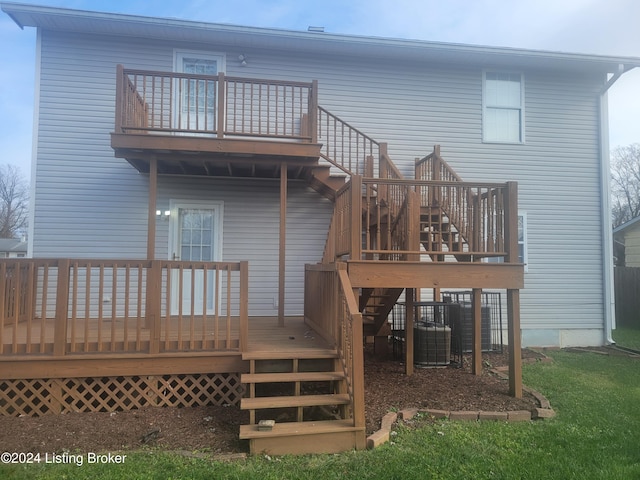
(383, 169)
(511, 222)
(221, 105)
(244, 306)
(437, 163)
(435, 173)
(119, 96)
(313, 111)
(413, 240)
(356, 218)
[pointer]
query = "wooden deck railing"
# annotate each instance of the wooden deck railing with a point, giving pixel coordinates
(395, 219)
(61, 306)
(217, 105)
(331, 309)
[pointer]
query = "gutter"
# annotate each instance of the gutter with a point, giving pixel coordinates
(605, 193)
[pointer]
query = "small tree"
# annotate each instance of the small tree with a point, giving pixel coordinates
(625, 176)
(14, 199)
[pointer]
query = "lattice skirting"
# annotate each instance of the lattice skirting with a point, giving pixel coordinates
(110, 394)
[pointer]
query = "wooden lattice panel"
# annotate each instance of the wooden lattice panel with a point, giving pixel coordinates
(110, 394)
(26, 397)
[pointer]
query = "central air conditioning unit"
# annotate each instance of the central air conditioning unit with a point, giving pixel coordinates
(431, 344)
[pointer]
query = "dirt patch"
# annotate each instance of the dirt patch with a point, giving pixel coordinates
(215, 429)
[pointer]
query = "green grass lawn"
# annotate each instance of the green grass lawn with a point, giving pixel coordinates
(627, 337)
(595, 435)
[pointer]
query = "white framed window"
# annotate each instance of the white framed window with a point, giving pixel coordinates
(523, 254)
(503, 107)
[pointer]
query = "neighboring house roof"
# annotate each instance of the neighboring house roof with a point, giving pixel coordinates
(310, 42)
(14, 245)
(625, 227)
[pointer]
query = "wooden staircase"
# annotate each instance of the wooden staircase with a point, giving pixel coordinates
(305, 393)
(323, 181)
(375, 305)
(438, 232)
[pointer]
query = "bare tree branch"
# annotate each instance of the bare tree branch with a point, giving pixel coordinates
(14, 202)
(625, 183)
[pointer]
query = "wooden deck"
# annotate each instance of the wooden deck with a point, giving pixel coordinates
(264, 336)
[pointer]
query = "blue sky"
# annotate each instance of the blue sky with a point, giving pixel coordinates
(608, 27)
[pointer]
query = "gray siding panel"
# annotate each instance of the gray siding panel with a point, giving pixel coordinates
(89, 203)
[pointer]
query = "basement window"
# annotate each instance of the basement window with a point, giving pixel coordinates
(503, 107)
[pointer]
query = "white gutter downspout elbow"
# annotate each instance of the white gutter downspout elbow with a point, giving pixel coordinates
(605, 191)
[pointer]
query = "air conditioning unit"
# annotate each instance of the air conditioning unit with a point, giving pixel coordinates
(431, 344)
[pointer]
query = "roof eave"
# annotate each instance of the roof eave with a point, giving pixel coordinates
(303, 41)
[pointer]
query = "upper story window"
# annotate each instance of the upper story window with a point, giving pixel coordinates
(503, 107)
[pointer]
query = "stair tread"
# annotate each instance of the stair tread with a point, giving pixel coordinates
(294, 401)
(289, 354)
(290, 377)
(298, 428)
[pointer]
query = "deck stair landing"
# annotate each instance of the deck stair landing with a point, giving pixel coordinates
(304, 392)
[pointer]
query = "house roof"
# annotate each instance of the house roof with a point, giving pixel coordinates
(54, 18)
(13, 245)
(621, 229)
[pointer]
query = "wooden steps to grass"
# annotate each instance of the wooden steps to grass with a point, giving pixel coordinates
(293, 401)
(305, 393)
(326, 436)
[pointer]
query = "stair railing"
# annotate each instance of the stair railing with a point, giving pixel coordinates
(331, 309)
(343, 145)
(350, 343)
(458, 209)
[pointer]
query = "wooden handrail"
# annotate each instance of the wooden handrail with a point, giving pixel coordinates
(220, 105)
(343, 145)
(351, 345)
(434, 167)
(62, 306)
(468, 218)
(331, 309)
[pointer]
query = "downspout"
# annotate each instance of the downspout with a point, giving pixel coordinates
(605, 194)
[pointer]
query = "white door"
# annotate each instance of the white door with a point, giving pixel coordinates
(196, 235)
(196, 104)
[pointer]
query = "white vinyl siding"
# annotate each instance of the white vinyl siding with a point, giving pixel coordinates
(89, 203)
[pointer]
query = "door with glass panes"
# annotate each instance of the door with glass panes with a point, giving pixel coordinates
(196, 235)
(196, 102)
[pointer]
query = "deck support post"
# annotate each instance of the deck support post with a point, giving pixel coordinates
(408, 330)
(283, 243)
(151, 219)
(515, 343)
(513, 295)
(476, 333)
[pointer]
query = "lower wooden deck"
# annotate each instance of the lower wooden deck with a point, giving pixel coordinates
(113, 355)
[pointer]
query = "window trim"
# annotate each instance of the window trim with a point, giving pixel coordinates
(525, 241)
(485, 106)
